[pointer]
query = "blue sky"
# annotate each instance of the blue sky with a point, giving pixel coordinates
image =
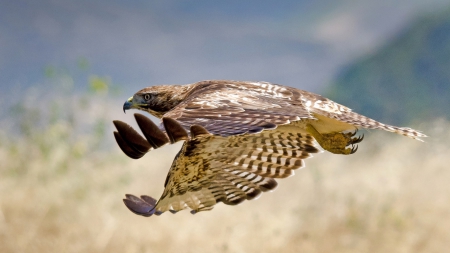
(142, 43)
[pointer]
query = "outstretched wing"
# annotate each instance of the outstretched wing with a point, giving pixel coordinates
(230, 108)
(210, 169)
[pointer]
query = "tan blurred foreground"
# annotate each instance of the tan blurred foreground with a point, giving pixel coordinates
(393, 195)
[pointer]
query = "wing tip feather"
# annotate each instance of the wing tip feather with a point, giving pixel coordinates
(140, 206)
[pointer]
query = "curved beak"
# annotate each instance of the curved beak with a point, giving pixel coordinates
(128, 104)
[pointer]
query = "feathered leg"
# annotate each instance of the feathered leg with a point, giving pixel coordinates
(336, 142)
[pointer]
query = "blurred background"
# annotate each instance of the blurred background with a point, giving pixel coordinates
(66, 67)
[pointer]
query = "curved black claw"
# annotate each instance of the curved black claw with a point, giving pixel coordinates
(140, 206)
(357, 140)
(354, 149)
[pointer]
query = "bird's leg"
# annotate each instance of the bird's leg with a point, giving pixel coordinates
(336, 142)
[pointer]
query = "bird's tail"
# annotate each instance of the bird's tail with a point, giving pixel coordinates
(366, 122)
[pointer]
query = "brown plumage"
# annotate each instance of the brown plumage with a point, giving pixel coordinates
(242, 136)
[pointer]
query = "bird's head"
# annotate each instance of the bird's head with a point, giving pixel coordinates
(157, 100)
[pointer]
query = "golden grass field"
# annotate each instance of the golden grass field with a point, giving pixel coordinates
(59, 194)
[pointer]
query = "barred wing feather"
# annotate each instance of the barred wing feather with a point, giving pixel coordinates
(210, 169)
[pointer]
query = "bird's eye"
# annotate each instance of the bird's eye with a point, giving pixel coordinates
(147, 97)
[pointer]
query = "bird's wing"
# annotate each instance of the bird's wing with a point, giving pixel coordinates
(211, 169)
(240, 107)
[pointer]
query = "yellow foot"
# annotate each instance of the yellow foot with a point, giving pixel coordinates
(336, 142)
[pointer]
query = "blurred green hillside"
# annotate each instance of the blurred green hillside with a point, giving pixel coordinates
(407, 80)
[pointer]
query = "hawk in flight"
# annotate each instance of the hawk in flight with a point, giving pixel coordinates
(238, 138)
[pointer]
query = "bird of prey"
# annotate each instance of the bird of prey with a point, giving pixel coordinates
(238, 138)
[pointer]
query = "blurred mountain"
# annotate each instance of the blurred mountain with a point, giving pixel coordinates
(407, 80)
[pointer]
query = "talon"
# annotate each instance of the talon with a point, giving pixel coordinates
(361, 138)
(336, 142)
(354, 149)
(357, 140)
